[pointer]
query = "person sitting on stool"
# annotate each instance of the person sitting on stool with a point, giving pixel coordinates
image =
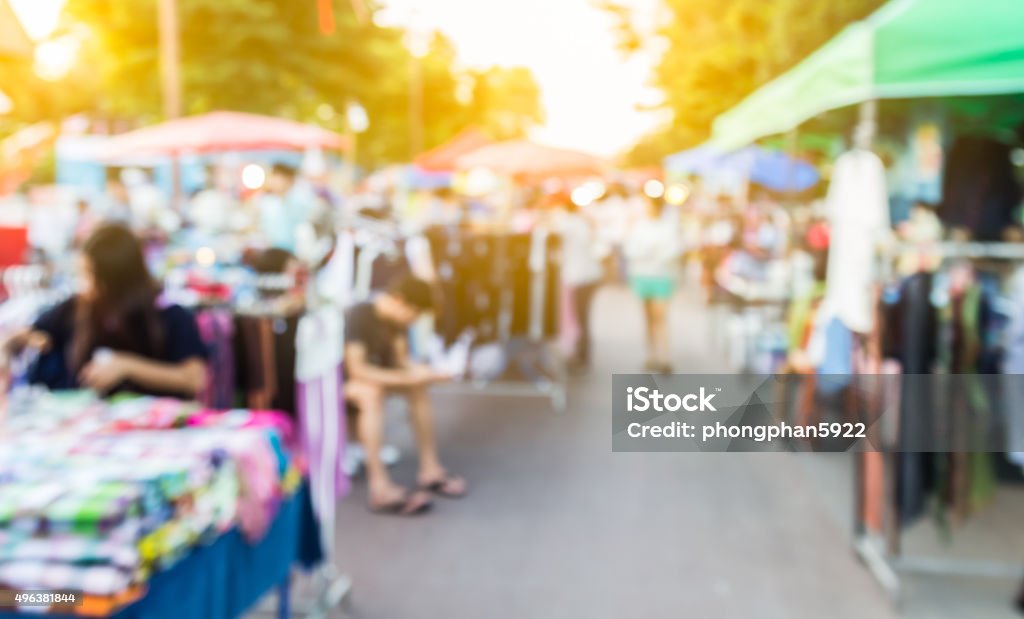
(377, 365)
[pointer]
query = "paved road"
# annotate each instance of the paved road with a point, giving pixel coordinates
(558, 526)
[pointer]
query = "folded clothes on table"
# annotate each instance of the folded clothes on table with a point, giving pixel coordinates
(93, 510)
(22, 504)
(37, 575)
(71, 549)
(96, 503)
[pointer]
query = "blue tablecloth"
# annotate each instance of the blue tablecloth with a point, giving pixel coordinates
(226, 578)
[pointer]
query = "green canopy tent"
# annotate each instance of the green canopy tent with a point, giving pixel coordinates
(907, 49)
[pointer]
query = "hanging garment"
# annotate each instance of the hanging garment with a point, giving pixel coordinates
(580, 257)
(836, 368)
(970, 483)
(284, 330)
(387, 268)
(480, 292)
(216, 328)
(1013, 367)
(319, 346)
(442, 253)
(365, 255)
(979, 188)
(917, 333)
(336, 281)
(265, 348)
(522, 253)
(255, 369)
(858, 212)
(417, 253)
(552, 285)
(571, 328)
(538, 277)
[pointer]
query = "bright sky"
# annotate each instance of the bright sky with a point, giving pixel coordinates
(39, 17)
(590, 92)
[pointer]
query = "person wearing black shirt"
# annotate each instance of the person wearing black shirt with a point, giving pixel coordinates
(376, 364)
(112, 336)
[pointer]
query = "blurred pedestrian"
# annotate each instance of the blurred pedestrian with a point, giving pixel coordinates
(284, 207)
(85, 222)
(115, 203)
(612, 215)
(581, 270)
(213, 207)
(652, 252)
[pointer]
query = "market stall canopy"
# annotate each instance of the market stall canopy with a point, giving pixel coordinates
(14, 43)
(522, 158)
(444, 157)
(906, 49)
(221, 132)
(693, 160)
(769, 168)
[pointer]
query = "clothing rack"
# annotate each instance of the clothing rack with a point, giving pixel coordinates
(961, 249)
(383, 227)
(556, 391)
(331, 587)
(882, 551)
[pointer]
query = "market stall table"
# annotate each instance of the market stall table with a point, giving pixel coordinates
(150, 507)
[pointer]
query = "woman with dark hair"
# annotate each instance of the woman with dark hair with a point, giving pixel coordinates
(112, 336)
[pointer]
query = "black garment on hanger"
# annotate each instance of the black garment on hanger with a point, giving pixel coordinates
(917, 331)
(444, 247)
(265, 371)
(518, 279)
(552, 285)
(979, 188)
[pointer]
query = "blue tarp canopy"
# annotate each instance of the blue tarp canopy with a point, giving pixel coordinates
(771, 169)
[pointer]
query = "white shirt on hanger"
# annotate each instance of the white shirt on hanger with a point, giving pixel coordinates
(858, 213)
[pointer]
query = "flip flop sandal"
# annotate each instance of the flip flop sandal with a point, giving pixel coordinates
(411, 504)
(440, 487)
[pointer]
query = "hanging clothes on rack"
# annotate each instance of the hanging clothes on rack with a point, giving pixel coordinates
(1013, 366)
(335, 282)
(217, 330)
(980, 190)
(445, 247)
(965, 475)
(321, 409)
(858, 212)
(912, 338)
(265, 346)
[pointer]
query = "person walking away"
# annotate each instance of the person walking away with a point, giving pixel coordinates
(652, 251)
(613, 217)
(85, 222)
(377, 364)
(581, 271)
(283, 208)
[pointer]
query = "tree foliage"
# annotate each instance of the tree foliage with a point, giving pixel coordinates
(716, 53)
(505, 101)
(270, 57)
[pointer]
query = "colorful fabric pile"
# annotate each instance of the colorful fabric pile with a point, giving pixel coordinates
(96, 496)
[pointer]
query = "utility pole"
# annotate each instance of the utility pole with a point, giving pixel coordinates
(170, 57)
(170, 77)
(416, 106)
